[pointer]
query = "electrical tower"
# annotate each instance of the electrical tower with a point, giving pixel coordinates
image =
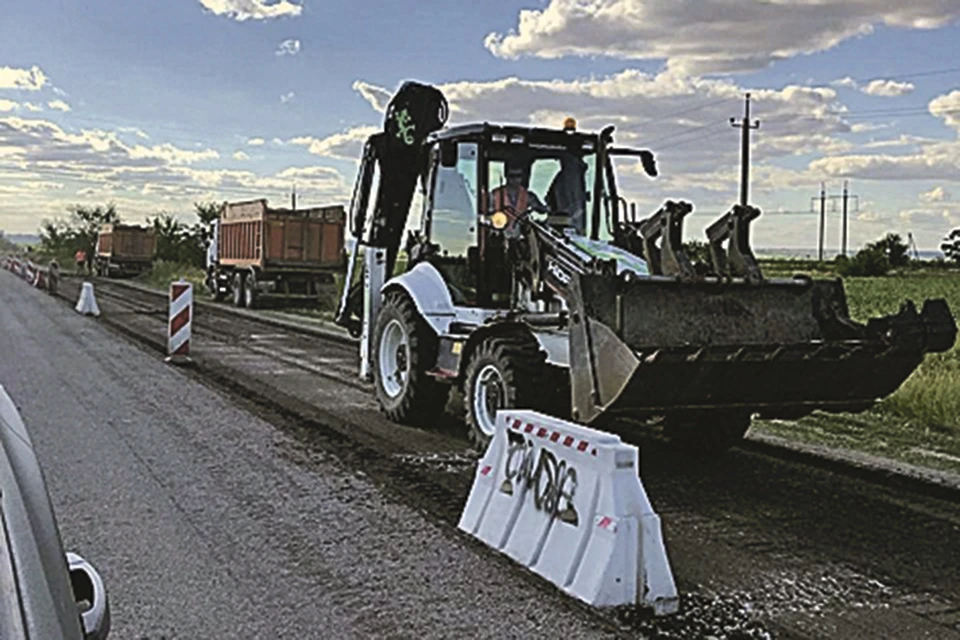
(746, 126)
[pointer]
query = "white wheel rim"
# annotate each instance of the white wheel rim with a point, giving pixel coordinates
(488, 396)
(394, 358)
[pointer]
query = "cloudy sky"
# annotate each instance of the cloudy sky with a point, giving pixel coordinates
(154, 105)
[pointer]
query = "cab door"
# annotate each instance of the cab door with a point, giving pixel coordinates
(452, 220)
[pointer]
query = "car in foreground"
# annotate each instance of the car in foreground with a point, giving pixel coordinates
(45, 593)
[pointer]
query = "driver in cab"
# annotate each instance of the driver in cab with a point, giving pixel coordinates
(513, 198)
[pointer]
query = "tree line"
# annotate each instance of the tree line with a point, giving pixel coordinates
(176, 241)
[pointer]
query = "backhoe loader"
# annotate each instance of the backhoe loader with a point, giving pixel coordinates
(530, 283)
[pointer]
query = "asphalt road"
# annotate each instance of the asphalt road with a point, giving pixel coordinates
(205, 522)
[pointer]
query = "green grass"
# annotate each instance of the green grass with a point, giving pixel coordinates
(163, 273)
(920, 422)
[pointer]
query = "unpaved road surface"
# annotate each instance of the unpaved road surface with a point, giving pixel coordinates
(760, 546)
(206, 523)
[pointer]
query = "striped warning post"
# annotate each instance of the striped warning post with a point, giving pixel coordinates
(181, 315)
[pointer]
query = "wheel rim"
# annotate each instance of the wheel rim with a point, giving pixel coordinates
(394, 358)
(488, 398)
(248, 293)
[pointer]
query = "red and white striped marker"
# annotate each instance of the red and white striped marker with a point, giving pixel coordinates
(181, 315)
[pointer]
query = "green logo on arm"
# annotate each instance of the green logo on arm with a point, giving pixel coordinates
(405, 126)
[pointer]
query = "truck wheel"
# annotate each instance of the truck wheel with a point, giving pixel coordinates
(404, 348)
(707, 433)
(504, 372)
(238, 289)
(250, 291)
(213, 286)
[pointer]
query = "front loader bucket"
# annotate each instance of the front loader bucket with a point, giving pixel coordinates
(656, 346)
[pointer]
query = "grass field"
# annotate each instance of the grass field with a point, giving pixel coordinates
(163, 273)
(920, 422)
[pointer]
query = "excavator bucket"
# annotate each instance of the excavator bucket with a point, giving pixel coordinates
(675, 344)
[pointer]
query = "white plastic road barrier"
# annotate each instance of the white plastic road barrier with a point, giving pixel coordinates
(181, 315)
(87, 304)
(566, 501)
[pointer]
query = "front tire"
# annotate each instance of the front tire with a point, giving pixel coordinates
(404, 349)
(504, 372)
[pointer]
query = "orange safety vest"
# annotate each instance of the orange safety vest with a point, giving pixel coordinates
(502, 200)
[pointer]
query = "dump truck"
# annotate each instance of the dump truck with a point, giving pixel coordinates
(256, 252)
(560, 298)
(124, 249)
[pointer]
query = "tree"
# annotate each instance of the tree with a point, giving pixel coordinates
(169, 234)
(85, 222)
(869, 261)
(894, 248)
(951, 246)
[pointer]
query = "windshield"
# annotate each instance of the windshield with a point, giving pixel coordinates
(556, 181)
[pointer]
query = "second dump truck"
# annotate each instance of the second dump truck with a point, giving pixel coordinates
(124, 249)
(256, 251)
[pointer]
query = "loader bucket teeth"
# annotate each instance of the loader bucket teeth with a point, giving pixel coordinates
(738, 259)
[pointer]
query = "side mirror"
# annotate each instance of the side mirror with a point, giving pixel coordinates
(448, 154)
(91, 598)
(649, 163)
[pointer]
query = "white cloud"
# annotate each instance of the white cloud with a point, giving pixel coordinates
(287, 97)
(948, 108)
(58, 105)
(937, 194)
(708, 36)
(29, 106)
(879, 87)
(252, 9)
(347, 145)
(888, 88)
(289, 47)
(378, 97)
(255, 142)
(32, 79)
(863, 127)
(848, 83)
(240, 155)
(8, 105)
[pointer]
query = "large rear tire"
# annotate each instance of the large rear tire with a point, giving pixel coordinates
(404, 349)
(706, 433)
(504, 372)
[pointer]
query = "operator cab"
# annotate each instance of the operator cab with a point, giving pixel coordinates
(484, 179)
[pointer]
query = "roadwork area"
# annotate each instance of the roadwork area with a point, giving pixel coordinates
(207, 522)
(260, 494)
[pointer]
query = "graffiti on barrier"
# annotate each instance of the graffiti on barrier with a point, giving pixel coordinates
(552, 481)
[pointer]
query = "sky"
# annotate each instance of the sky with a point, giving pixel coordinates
(156, 105)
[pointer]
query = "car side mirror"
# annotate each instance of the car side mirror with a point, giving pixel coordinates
(91, 598)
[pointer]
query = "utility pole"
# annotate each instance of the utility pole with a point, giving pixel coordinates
(823, 217)
(845, 198)
(746, 126)
(293, 197)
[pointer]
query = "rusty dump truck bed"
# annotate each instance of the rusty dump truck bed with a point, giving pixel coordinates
(254, 235)
(127, 243)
